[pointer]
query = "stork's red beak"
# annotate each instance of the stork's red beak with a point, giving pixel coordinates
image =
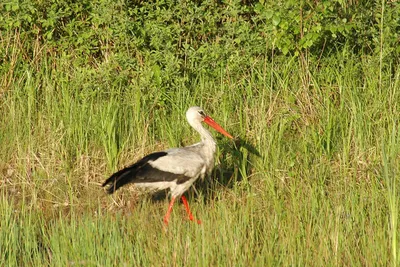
(216, 126)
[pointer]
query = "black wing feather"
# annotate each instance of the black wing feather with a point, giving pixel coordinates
(149, 174)
(129, 174)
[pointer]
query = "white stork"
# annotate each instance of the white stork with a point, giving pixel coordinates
(176, 168)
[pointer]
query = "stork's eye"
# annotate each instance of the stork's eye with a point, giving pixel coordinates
(202, 113)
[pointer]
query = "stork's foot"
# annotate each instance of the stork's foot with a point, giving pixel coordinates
(197, 221)
(193, 219)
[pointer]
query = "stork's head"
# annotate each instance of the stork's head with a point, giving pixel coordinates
(196, 115)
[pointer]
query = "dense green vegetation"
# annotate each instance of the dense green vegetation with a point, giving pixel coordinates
(88, 87)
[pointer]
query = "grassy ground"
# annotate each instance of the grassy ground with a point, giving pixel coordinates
(324, 190)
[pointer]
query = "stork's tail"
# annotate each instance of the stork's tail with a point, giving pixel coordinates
(120, 178)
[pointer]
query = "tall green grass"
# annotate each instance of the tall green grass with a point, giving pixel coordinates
(323, 191)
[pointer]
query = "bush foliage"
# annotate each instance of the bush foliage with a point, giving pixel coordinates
(175, 39)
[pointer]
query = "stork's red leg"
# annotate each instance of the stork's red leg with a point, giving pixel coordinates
(186, 204)
(166, 217)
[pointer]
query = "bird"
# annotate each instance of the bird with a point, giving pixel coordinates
(176, 168)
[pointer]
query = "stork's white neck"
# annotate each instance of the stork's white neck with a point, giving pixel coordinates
(204, 133)
(206, 138)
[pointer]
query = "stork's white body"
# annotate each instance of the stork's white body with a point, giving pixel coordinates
(195, 161)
